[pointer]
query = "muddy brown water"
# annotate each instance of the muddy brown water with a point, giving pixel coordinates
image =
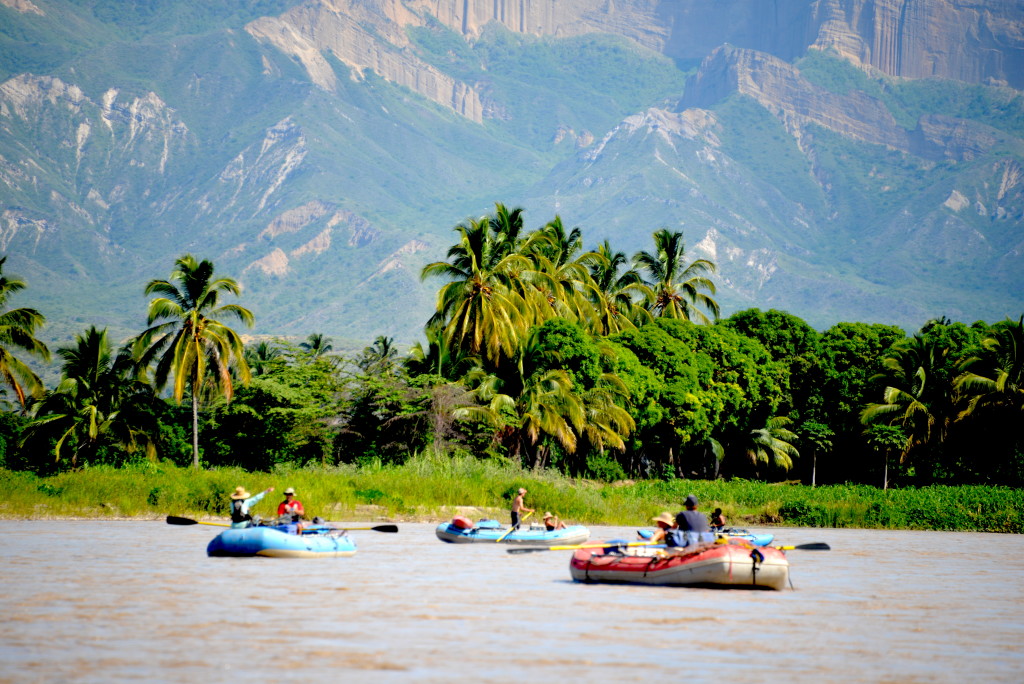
(141, 601)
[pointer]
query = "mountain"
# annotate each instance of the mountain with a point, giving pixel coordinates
(839, 159)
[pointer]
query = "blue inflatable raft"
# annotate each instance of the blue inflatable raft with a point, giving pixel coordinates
(490, 531)
(282, 541)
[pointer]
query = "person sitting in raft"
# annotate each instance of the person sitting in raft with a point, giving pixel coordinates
(665, 522)
(691, 524)
(291, 507)
(717, 521)
(552, 523)
(241, 502)
(518, 507)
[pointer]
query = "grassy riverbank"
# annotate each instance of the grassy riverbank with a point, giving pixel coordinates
(433, 488)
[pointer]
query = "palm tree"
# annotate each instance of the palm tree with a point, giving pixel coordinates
(186, 338)
(545, 408)
(17, 332)
(379, 358)
(95, 404)
(773, 443)
(616, 292)
(995, 377)
(478, 309)
(317, 345)
(562, 272)
(536, 404)
(261, 357)
(679, 289)
(606, 423)
(917, 397)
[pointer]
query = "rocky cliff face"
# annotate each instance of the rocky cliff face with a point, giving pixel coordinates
(779, 88)
(968, 40)
(111, 154)
(363, 36)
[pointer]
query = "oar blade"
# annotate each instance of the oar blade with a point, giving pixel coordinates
(175, 520)
(530, 549)
(816, 546)
(385, 528)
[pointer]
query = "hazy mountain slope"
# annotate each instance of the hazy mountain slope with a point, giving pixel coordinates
(322, 151)
(816, 201)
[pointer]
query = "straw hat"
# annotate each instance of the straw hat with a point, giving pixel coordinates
(547, 515)
(240, 493)
(290, 490)
(522, 491)
(666, 518)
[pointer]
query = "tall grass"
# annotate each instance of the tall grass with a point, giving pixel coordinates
(430, 487)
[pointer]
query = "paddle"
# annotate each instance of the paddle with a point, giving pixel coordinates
(375, 528)
(175, 520)
(535, 549)
(815, 546)
(511, 529)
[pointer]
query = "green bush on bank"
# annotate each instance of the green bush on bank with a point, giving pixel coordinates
(429, 486)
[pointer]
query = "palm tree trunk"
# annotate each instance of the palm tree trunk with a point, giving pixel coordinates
(195, 431)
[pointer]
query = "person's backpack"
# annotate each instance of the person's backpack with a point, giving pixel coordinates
(675, 537)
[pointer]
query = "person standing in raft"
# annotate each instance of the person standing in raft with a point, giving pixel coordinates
(717, 521)
(241, 502)
(290, 507)
(691, 523)
(519, 507)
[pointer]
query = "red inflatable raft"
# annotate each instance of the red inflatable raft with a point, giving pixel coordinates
(733, 563)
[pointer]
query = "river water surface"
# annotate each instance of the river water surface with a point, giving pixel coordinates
(140, 601)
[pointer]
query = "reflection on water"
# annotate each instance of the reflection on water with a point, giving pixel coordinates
(99, 602)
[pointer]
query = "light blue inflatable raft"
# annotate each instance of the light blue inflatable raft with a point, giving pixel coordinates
(490, 531)
(282, 541)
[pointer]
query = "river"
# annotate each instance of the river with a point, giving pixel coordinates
(140, 601)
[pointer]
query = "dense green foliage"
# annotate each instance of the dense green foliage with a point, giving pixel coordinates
(548, 359)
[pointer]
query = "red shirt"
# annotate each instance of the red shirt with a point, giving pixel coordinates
(292, 507)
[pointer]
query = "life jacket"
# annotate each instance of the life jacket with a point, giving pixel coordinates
(237, 516)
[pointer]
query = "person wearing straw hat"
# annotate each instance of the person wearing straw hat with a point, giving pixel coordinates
(552, 523)
(290, 507)
(241, 502)
(665, 522)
